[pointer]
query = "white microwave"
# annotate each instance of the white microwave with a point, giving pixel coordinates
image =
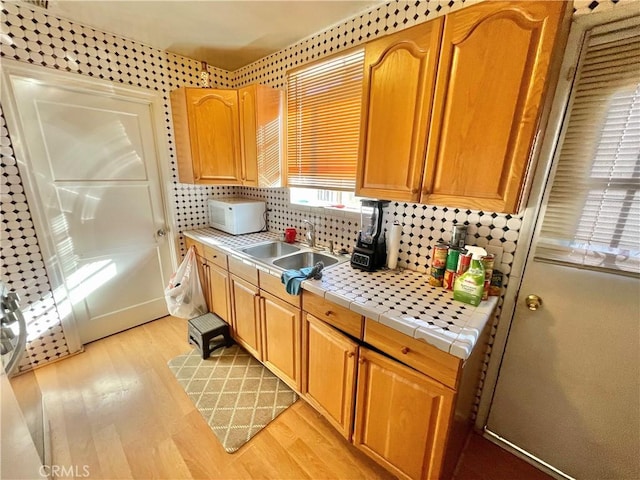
(237, 215)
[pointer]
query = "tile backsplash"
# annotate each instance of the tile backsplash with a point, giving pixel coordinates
(31, 35)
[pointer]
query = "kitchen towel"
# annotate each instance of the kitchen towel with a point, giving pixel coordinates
(292, 279)
(394, 245)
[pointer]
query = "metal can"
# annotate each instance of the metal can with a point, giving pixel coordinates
(439, 258)
(487, 263)
(458, 236)
(485, 292)
(464, 261)
(496, 284)
(452, 258)
(436, 277)
(449, 279)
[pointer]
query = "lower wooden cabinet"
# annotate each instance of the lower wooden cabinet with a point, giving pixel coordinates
(281, 339)
(329, 366)
(203, 269)
(246, 319)
(399, 414)
(214, 281)
(402, 417)
(219, 294)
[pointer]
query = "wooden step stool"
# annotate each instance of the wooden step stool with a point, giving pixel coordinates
(203, 330)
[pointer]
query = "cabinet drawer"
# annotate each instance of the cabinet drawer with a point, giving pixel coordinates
(215, 256)
(423, 357)
(246, 271)
(341, 318)
(274, 286)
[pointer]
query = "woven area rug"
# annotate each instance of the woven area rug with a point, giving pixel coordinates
(235, 393)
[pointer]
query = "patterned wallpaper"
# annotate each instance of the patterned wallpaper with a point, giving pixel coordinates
(30, 35)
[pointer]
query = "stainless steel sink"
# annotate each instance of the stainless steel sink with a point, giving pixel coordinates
(270, 250)
(304, 259)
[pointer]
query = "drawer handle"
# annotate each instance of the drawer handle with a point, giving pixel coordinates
(328, 313)
(405, 350)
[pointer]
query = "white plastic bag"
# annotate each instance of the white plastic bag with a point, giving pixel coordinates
(184, 293)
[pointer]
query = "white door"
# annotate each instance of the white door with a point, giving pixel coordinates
(92, 164)
(568, 390)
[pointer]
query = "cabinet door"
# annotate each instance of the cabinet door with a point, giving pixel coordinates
(402, 417)
(399, 78)
(213, 134)
(219, 292)
(246, 319)
(281, 339)
(248, 131)
(261, 135)
(329, 366)
(269, 136)
(492, 77)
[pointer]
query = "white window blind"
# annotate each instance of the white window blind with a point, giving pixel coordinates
(323, 123)
(592, 216)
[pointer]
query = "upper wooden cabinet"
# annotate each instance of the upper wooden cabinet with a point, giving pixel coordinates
(399, 78)
(482, 113)
(492, 77)
(260, 133)
(228, 137)
(207, 139)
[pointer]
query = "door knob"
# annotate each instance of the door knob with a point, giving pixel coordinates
(533, 302)
(161, 232)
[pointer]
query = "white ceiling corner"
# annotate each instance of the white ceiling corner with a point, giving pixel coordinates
(224, 33)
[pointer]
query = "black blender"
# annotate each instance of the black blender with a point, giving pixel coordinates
(370, 252)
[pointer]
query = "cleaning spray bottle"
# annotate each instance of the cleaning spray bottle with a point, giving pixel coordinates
(468, 287)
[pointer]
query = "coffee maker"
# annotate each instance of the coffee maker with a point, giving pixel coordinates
(370, 252)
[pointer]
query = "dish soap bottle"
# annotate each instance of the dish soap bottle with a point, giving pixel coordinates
(468, 287)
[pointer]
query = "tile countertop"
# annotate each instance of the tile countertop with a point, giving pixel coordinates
(402, 300)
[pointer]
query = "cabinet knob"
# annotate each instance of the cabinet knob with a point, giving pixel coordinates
(361, 361)
(405, 350)
(328, 313)
(350, 354)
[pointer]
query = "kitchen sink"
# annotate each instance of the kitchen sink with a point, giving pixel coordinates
(304, 259)
(270, 250)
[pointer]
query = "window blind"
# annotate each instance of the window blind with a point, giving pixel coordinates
(592, 215)
(323, 123)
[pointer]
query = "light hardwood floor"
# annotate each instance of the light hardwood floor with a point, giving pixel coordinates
(118, 409)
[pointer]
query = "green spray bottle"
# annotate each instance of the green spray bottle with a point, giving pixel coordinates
(468, 287)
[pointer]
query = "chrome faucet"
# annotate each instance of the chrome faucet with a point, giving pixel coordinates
(310, 234)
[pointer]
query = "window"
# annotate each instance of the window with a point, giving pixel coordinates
(323, 123)
(325, 198)
(592, 216)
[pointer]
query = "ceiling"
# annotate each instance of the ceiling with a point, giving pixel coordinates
(224, 33)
